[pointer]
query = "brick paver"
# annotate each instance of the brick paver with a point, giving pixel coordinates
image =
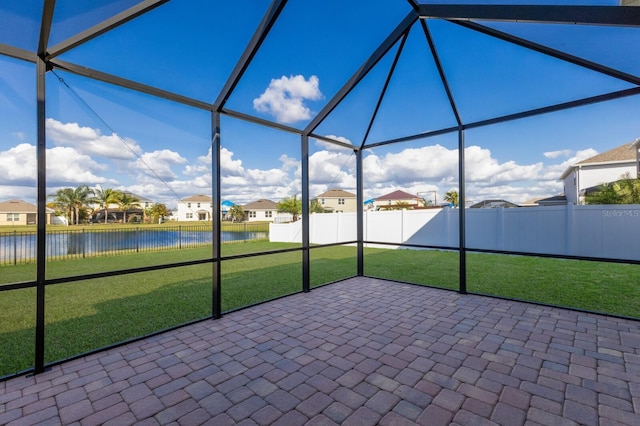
(359, 352)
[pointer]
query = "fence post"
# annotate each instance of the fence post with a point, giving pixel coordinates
(500, 230)
(245, 232)
(15, 247)
(84, 244)
(180, 237)
(137, 239)
(570, 229)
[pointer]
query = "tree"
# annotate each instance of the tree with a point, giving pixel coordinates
(158, 211)
(605, 194)
(127, 202)
(623, 191)
(105, 197)
(452, 198)
(291, 205)
(72, 201)
(401, 205)
(236, 213)
(315, 206)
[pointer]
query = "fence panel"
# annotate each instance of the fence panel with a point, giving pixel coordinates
(608, 231)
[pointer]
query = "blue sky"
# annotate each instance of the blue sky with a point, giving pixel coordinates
(103, 135)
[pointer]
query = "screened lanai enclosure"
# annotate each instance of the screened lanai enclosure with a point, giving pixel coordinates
(456, 104)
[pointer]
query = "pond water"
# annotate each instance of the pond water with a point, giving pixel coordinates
(18, 247)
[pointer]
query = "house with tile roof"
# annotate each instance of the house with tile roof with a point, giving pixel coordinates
(395, 198)
(338, 201)
(195, 208)
(116, 214)
(609, 166)
(18, 212)
(260, 210)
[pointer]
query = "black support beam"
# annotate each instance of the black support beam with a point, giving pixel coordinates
(103, 27)
(216, 199)
(379, 53)
(250, 51)
(128, 84)
(589, 15)
(550, 52)
(306, 241)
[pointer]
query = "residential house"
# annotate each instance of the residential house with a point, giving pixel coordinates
(118, 215)
(492, 204)
(260, 210)
(397, 199)
(195, 208)
(556, 200)
(18, 212)
(143, 202)
(338, 201)
(606, 167)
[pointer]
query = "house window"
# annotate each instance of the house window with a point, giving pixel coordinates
(252, 214)
(340, 200)
(189, 215)
(188, 205)
(198, 205)
(321, 200)
(268, 214)
(13, 217)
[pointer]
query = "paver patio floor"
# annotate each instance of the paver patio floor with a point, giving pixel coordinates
(359, 352)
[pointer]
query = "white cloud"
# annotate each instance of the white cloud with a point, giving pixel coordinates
(335, 169)
(159, 163)
(228, 165)
(18, 165)
(89, 141)
(284, 98)
(560, 153)
(436, 168)
(330, 146)
(65, 166)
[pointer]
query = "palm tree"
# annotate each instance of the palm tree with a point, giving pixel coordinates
(291, 205)
(452, 198)
(72, 200)
(401, 205)
(127, 202)
(315, 206)
(105, 197)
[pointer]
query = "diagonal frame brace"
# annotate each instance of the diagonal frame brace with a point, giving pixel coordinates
(387, 44)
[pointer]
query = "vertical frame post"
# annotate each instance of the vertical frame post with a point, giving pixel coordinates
(360, 213)
(216, 308)
(306, 272)
(461, 213)
(41, 71)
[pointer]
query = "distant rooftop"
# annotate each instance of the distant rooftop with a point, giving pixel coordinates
(336, 193)
(261, 205)
(623, 153)
(397, 195)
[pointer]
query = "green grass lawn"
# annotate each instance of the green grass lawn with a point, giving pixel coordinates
(86, 315)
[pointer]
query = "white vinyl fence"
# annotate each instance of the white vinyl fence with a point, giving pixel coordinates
(607, 231)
